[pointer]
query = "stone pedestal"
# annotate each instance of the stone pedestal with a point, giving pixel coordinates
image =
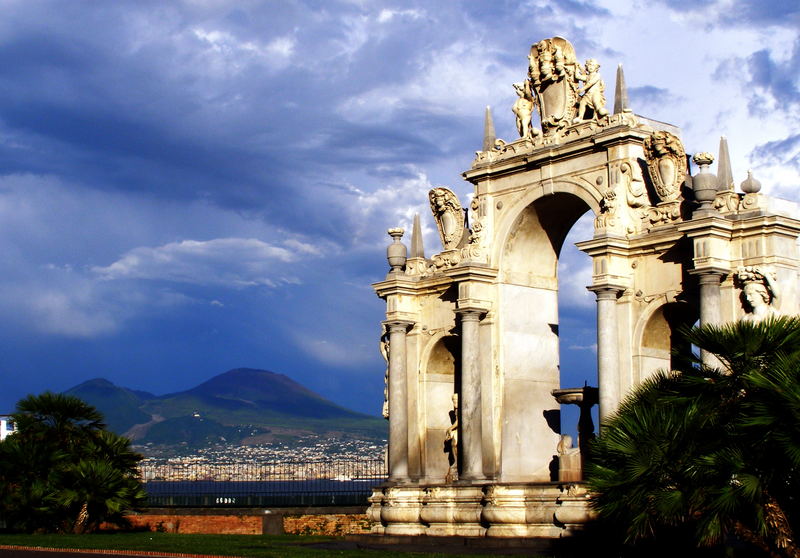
(547, 510)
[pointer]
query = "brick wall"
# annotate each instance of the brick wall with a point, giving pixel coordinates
(337, 524)
(207, 524)
(297, 521)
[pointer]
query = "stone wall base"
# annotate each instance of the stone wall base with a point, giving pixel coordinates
(296, 521)
(509, 510)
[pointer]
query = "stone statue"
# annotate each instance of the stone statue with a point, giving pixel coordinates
(451, 442)
(759, 292)
(523, 110)
(384, 346)
(569, 460)
(448, 215)
(636, 193)
(593, 92)
(666, 164)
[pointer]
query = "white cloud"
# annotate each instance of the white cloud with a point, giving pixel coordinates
(387, 15)
(459, 79)
(592, 347)
(230, 262)
(227, 53)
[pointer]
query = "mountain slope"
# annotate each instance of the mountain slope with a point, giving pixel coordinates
(120, 406)
(245, 391)
(235, 405)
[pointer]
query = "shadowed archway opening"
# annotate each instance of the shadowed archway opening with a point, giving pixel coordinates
(530, 334)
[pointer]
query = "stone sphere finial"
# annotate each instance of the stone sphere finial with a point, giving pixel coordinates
(704, 183)
(750, 185)
(396, 253)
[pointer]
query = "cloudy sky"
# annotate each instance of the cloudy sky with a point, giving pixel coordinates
(192, 186)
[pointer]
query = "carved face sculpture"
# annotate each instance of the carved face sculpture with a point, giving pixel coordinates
(756, 296)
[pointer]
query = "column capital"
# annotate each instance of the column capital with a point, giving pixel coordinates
(607, 292)
(398, 325)
(471, 313)
(709, 274)
(709, 278)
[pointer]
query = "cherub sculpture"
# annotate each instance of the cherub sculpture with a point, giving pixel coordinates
(593, 91)
(523, 110)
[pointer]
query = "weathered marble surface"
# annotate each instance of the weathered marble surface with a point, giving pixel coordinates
(479, 319)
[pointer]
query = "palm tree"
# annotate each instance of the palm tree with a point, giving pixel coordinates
(62, 470)
(712, 451)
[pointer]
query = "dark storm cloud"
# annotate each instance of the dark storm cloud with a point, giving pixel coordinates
(648, 95)
(781, 152)
(152, 151)
(742, 13)
(758, 12)
(774, 80)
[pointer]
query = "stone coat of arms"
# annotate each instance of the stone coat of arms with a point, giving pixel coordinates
(552, 72)
(666, 164)
(449, 216)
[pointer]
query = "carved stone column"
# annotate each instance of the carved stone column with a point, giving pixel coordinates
(398, 400)
(710, 307)
(470, 421)
(607, 349)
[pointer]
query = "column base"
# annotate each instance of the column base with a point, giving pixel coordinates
(544, 510)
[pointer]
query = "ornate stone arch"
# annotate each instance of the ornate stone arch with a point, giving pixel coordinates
(510, 215)
(437, 404)
(654, 333)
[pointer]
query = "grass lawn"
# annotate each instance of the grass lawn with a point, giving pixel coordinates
(289, 546)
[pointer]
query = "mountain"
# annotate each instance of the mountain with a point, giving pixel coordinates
(239, 406)
(121, 407)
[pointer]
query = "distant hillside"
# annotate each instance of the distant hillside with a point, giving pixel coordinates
(240, 405)
(121, 407)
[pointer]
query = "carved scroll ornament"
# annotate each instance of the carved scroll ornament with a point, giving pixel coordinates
(666, 163)
(448, 215)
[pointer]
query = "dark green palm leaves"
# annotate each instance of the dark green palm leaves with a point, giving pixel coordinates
(61, 471)
(710, 450)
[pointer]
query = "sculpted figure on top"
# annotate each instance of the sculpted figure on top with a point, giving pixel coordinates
(448, 215)
(666, 163)
(553, 83)
(523, 110)
(593, 92)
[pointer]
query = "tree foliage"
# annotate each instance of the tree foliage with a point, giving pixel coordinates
(61, 471)
(710, 451)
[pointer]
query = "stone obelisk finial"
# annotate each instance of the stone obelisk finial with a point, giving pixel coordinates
(621, 93)
(417, 249)
(488, 131)
(724, 172)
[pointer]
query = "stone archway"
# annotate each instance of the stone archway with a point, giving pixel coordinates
(440, 381)
(657, 336)
(529, 336)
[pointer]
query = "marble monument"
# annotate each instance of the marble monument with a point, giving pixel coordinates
(471, 333)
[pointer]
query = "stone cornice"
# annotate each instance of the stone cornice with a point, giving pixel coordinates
(401, 284)
(555, 152)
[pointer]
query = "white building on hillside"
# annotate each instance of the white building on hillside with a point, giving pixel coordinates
(6, 426)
